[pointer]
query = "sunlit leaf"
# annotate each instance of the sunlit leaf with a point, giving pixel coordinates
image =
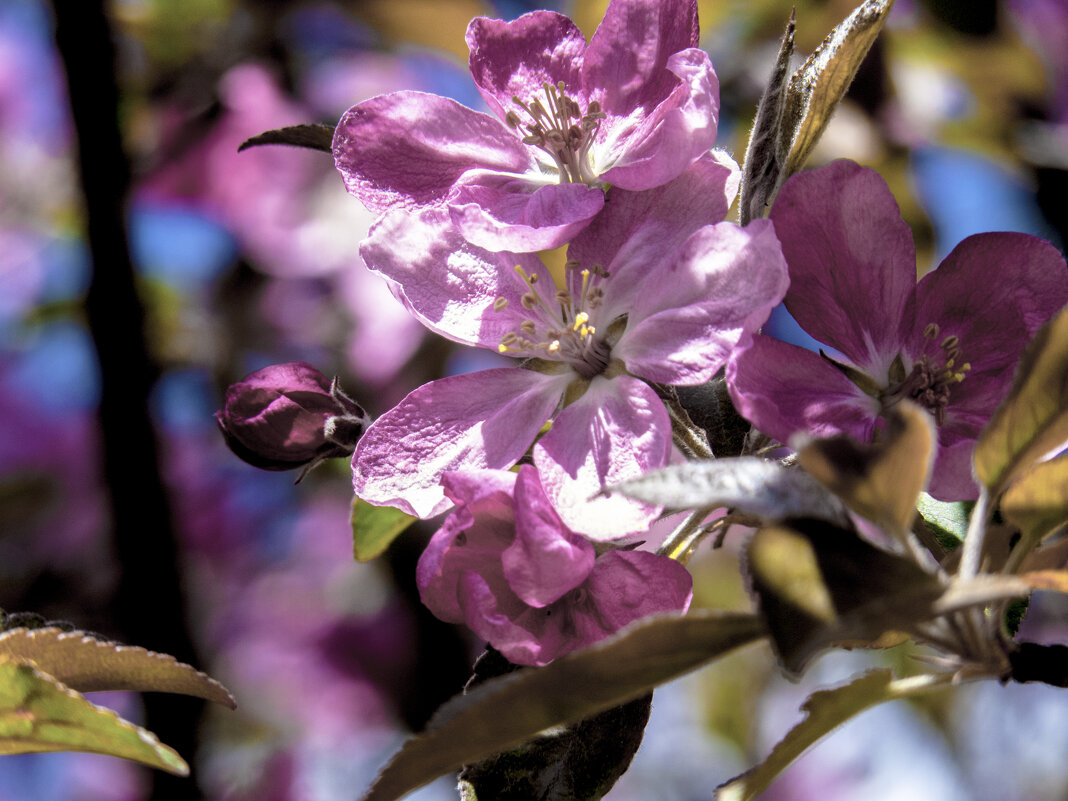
(312, 137)
(825, 711)
(374, 528)
(748, 484)
(821, 82)
(39, 714)
(505, 712)
(1037, 502)
(881, 481)
(765, 156)
(820, 586)
(87, 664)
(1032, 421)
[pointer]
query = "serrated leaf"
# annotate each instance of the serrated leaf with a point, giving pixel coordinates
(748, 484)
(821, 82)
(881, 481)
(87, 664)
(765, 155)
(40, 714)
(947, 519)
(580, 762)
(1032, 421)
(374, 528)
(825, 711)
(820, 586)
(313, 137)
(1037, 502)
(505, 712)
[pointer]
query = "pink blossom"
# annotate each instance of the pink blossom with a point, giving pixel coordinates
(632, 109)
(507, 566)
(656, 292)
(950, 342)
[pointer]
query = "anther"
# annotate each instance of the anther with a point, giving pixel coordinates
(931, 331)
(500, 304)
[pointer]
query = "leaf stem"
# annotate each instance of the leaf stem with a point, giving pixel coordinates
(973, 538)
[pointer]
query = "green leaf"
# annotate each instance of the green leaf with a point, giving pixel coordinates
(821, 82)
(758, 487)
(313, 137)
(570, 763)
(765, 156)
(881, 481)
(374, 528)
(1033, 418)
(1037, 503)
(948, 520)
(87, 664)
(40, 714)
(505, 712)
(825, 711)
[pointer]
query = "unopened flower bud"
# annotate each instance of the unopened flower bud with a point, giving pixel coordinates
(287, 416)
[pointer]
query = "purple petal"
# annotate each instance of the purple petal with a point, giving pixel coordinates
(525, 635)
(852, 261)
(951, 477)
(546, 559)
(618, 429)
(783, 389)
(669, 136)
(499, 211)
(471, 421)
(516, 58)
(626, 586)
(717, 292)
(993, 291)
(409, 148)
(638, 232)
(625, 66)
(450, 285)
(471, 539)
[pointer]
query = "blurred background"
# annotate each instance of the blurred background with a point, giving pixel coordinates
(145, 265)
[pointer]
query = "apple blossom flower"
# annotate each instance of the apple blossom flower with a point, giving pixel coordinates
(632, 109)
(654, 292)
(949, 342)
(506, 565)
(286, 416)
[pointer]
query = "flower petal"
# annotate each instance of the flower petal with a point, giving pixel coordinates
(471, 421)
(639, 232)
(625, 66)
(628, 585)
(717, 292)
(471, 539)
(409, 148)
(517, 58)
(449, 284)
(783, 389)
(852, 260)
(618, 429)
(499, 211)
(646, 149)
(994, 318)
(546, 559)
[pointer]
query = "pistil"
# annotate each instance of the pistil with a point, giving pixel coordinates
(562, 329)
(931, 379)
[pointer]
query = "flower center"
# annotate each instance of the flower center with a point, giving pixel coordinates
(563, 329)
(931, 378)
(559, 128)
